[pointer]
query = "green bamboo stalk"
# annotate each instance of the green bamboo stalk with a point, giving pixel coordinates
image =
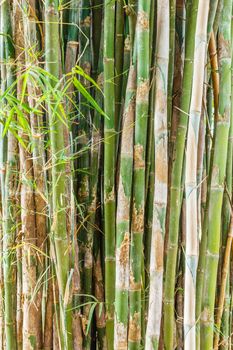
(172, 17)
(148, 226)
(209, 123)
(99, 294)
(149, 186)
(217, 179)
(224, 294)
(95, 170)
(84, 178)
(209, 156)
(192, 239)
(3, 158)
(72, 36)
(123, 215)
(140, 139)
(83, 137)
(217, 16)
(58, 168)
(95, 163)
(201, 176)
(225, 323)
(131, 11)
(72, 47)
(19, 306)
(119, 50)
(72, 39)
(176, 177)
(212, 16)
(3, 139)
(9, 255)
(223, 314)
(126, 66)
(230, 322)
(48, 320)
(73, 21)
(97, 34)
(9, 185)
(109, 167)
(161, 175)
(150, 128)
(1, 281)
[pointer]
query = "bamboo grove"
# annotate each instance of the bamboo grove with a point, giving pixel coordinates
(116, 168)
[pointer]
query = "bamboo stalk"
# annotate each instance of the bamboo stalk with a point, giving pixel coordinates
(32, 298)
(100, 309)
(123, 216)
(109, 167)
(223, 303)
(212, 15)
(172, 16)
(202, 248)
(119, 49)
(9, 185)
(176, 178)
(217, 181)
(58, 168)
(140, 139)
(161, 176)
(84, 186)
(224, 275)
(191, 248)
(30, 41)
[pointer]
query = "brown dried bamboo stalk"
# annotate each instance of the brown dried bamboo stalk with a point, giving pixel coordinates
(32, 317)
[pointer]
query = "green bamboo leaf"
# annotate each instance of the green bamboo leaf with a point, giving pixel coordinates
(20, 140)
(16, 102)
(24, 86)
(100, 308)
(90, 317)
(78, 70)
(89, 98)
(22, 120)
(8, 121)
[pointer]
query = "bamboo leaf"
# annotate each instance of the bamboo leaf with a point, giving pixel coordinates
(89, 98)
